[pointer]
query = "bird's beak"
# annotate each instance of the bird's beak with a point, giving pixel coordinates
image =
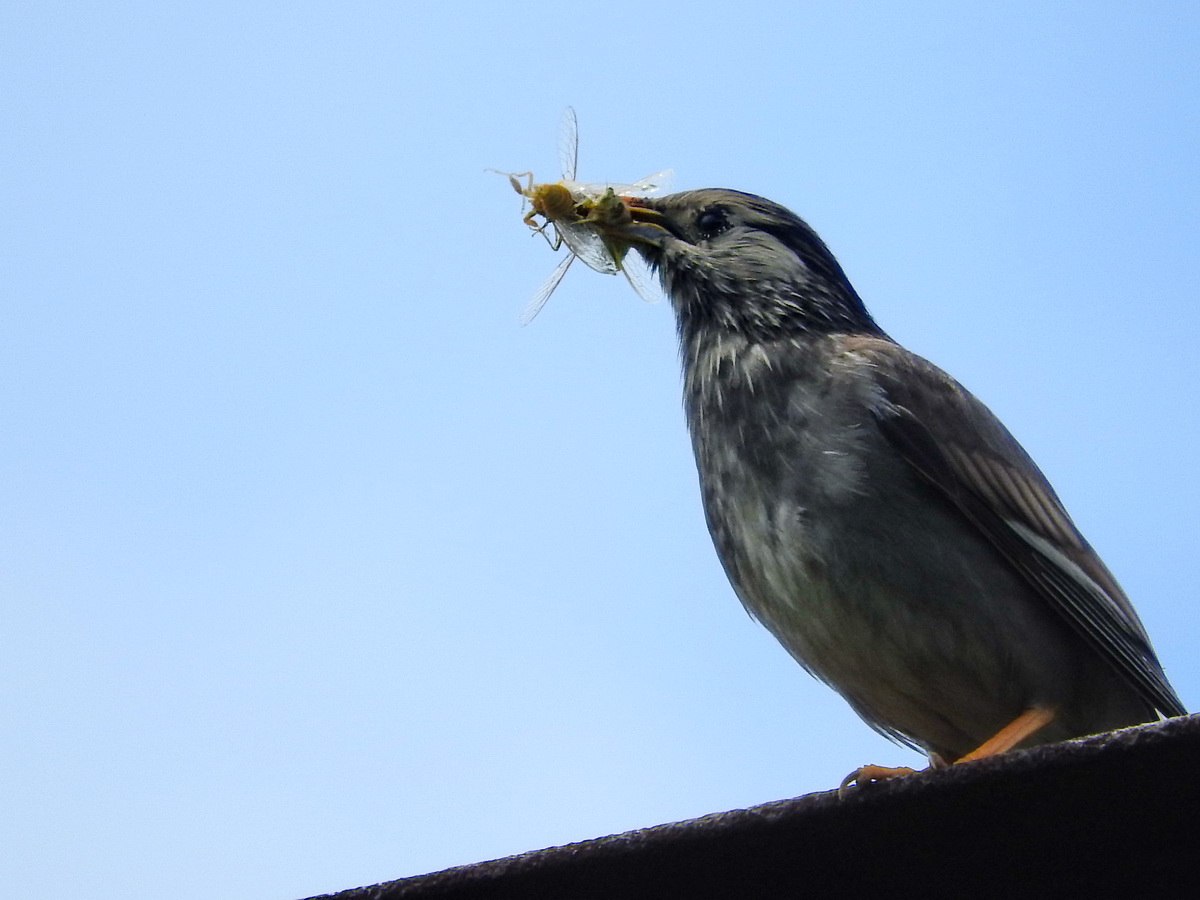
(642, 225)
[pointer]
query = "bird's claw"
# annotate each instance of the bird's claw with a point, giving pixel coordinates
(865, 775)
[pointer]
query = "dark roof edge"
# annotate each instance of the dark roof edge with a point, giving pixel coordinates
(1106, 808)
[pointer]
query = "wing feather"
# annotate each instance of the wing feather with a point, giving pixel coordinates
(955, 444)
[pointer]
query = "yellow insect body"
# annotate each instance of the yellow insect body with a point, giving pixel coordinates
(553, 202)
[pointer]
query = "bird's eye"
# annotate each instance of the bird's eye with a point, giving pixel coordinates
(711, 222)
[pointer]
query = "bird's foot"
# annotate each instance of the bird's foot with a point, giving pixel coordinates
(1028, 723)
(870, 774)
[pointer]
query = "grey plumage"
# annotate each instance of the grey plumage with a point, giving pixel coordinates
(869, 511)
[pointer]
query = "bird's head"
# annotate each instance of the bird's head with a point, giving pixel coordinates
(740, 263)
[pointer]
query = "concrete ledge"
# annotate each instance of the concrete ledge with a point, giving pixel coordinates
(1113, 813)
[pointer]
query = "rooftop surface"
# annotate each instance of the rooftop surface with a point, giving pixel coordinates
(1119, 811)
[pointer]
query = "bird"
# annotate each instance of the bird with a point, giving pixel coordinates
(871, 513)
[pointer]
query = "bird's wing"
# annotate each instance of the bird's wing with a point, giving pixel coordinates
(957, 445)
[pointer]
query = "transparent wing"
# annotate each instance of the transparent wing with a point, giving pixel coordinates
(640, 278)
(568, 144)
(645, 187)
(588, 246)
(535, 304)
(651, 184)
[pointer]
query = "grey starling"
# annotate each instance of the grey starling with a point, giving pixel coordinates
(878, 519)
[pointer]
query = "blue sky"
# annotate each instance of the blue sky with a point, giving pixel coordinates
(317, 569)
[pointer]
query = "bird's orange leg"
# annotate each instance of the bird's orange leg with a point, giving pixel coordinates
(1027, 723)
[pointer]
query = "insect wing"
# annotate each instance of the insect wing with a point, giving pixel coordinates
(568, 144)
(648, 186)
(640, 278)
(535, 304)
(589, 247)
(591, 191)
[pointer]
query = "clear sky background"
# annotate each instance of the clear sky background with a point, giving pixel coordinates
(317, 569)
